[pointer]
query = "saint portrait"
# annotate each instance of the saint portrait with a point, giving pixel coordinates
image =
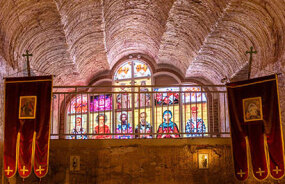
(27, 107)
(252, 109)
(203, 160)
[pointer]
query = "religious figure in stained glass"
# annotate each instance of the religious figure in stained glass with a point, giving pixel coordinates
(78, 131)
(195, 125)
(144, 127)
(101, 103)
(168, 127)
(144, 99)
(123, 99)
(101, 128)
(79, 104)
(124, 127)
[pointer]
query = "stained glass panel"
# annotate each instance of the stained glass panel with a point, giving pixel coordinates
(124, 125)
(100, 123)
(143, 123)
(167, 96)
(196, 119)
(124, 72)
(144, 99)
(78, 126)
(123, 99)
(100, 103)
(167, 120)
(141, 69)
(193, 97)
(78, 104)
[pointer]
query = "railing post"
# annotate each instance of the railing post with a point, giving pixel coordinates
(181, 112)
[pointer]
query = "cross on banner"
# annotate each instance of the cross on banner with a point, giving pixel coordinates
(277, 170)
(250, 59)
(28, 62)
(8, 170)
(260, 172)
(240, 173)
(40, 170)
(24, 170)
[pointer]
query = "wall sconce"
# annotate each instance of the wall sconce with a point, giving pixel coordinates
(203, 160)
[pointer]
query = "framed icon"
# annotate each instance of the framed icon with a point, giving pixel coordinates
(252, 109)
(203, 160)
(27, 107)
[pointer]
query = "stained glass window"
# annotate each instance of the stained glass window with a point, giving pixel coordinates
(135, 106)
(132, 69)
(129, 119)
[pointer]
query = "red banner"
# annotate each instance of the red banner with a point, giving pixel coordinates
(256, 128)
(27, 122)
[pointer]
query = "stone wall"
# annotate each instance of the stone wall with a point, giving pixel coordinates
(140, 162)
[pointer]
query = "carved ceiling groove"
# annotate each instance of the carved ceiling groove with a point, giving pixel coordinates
(203, 39)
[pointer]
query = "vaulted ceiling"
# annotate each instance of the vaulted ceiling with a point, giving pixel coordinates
(77, 39)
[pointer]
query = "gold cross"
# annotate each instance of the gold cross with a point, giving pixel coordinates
(8, 170)
(240, 173)
(40, 169)
(24, 170)
(260, 171)
(277, 170)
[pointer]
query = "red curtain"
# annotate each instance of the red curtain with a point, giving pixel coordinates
(256, 127)
(27, 125)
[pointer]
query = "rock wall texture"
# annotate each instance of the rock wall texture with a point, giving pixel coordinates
(140, 162)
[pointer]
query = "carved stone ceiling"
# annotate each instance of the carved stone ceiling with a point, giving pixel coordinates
(77, 39)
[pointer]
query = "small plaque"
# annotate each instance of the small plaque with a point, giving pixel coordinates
(203, 160)
(27, 107)
(252, 109)
(74, 163)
